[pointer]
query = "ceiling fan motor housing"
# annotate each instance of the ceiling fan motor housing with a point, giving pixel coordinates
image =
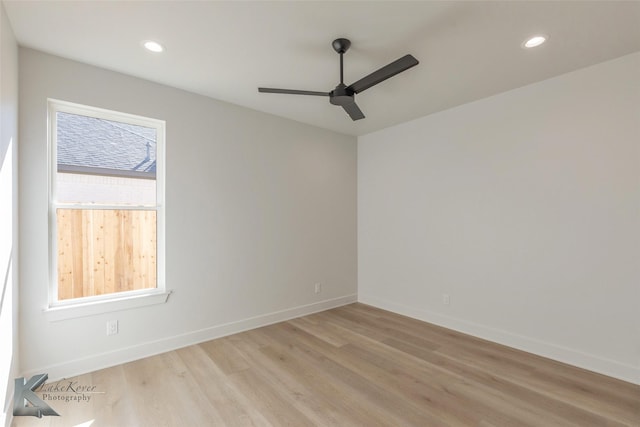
(341, 95)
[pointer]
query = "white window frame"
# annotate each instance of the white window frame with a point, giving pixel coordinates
(86, 306)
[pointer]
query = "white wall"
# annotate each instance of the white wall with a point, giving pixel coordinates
(8, 216)
(524, 208)
(259, 209)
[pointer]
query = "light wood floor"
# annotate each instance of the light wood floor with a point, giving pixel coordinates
(351, 366)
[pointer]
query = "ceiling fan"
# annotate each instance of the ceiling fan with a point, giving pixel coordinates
(345, 95)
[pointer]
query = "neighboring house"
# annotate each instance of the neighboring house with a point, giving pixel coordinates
(103, 162)
(89, 143)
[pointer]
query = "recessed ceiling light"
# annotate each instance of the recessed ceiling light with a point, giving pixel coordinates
(153, 46)
(534, 41)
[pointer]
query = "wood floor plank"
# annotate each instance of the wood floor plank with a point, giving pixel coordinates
(163, 392)
(355, 365)
(225, 355)
(272, 405)
(289, 386)
(317, 329)
(231, 408)
(583, 390)
(113, 406)
(616, 410)
(361, 393)
(421, 395)
(487, 380)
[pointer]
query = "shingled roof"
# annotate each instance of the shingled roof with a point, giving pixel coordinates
(89, 143)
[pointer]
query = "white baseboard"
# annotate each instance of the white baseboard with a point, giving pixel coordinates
(552, 351)
(128, 354)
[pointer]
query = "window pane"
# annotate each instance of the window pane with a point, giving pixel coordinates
(114, 162)
(106, 190)
(105, 251)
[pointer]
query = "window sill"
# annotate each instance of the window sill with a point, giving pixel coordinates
(54, 314)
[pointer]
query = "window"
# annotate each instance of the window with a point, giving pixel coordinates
(106, 205)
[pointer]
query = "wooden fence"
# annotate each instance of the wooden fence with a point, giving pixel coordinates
(105, 251)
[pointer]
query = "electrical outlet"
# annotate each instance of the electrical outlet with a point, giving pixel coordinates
(112, 327)
(318, 288)
(446, 300)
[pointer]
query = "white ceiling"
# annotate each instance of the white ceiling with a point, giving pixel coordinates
(225, 50)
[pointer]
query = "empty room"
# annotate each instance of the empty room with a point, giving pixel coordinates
(319, 213)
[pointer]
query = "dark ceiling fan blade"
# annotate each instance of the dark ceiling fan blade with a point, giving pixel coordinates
(353, 111)
(292, 91)
(384, 73)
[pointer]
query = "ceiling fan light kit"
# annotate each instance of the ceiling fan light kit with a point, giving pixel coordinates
(344, 95)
